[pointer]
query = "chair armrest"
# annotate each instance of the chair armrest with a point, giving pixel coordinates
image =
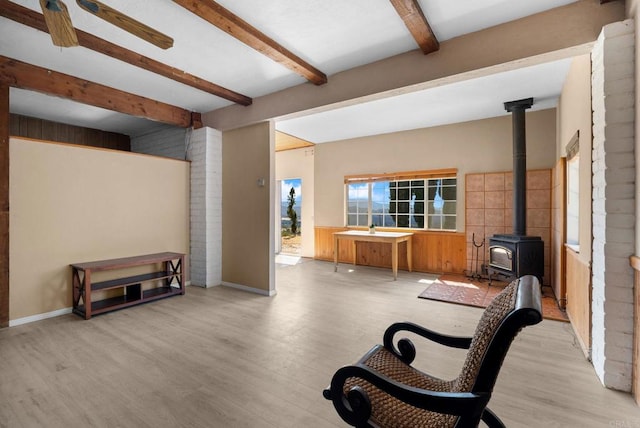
(407, 352)
(355, 408)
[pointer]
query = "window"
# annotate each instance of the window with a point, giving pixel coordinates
(358, 204)
(419, 201)
(573, 193)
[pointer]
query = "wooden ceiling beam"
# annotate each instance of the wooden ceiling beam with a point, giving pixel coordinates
(413, 17)
(235, 26)
(21, 75)
(36, 20)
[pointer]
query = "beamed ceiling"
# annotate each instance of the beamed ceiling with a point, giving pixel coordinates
(216, 54)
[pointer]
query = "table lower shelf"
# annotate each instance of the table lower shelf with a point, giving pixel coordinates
(120, 302)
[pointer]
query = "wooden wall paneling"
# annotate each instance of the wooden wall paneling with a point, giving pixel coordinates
(432, 256)
(420, 249)
(48, 129)
(324, 244)
(378, 254)
(31, 127)
(433, 252)
(4, 205)
(579, 299)
(374, 254)
(635, 381)
(454, 257)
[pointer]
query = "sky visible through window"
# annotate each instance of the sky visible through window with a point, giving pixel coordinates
(296, 183)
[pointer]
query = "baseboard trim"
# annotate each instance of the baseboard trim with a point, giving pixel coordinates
(52, 314)
(39, 317)
(269, 293)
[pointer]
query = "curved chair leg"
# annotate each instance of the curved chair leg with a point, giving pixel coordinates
(490, 418)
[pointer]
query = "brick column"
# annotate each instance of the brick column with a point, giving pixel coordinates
(205, 152)
(613, 167)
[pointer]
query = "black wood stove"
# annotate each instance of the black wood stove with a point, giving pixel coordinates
(516, 254)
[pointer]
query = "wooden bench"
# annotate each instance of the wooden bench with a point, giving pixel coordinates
(169, 281)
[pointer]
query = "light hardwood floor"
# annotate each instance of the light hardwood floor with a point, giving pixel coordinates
(226, 358)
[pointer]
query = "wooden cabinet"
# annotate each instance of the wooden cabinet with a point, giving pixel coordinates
(128, 289)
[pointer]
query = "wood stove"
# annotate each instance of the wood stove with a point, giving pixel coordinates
(517, 254)
(514, 256)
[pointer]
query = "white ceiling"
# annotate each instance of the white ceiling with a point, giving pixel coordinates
(332, 35)
(473, 99)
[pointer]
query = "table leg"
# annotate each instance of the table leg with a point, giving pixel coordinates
(394, 259)
(335, 254)
(409, 254)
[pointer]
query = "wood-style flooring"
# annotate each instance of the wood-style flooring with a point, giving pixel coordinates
(221, 357)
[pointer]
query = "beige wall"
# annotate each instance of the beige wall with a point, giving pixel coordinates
(477, 146)
(574, 114)
(298, 163)
(247, 208)
(72, 204)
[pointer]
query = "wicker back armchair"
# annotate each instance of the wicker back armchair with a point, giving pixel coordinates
(383, 390)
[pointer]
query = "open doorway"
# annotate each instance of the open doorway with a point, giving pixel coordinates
(291, 216)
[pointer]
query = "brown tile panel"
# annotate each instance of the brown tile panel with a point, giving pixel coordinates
(475, 183)
(538, 198)
(539, 218)
(539, 179)
(489, 202)
(477, 230)
(475, 199)
(475, 217)
(494, 181)
(494, 217)
(494, 199)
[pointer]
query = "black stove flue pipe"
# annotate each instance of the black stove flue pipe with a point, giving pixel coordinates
(517, 110)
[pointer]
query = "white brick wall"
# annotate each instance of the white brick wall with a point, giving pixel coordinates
(613, 167)
(205, 153)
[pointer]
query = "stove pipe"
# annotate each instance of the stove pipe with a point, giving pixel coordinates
(517, 110)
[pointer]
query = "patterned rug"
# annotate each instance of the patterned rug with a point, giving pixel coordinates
(463, 291)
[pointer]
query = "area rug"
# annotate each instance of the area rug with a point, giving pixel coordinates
(463, 291)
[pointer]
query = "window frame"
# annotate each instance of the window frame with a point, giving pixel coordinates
(572, 207)
(410, 177)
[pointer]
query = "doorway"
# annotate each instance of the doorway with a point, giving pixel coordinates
(291, 216)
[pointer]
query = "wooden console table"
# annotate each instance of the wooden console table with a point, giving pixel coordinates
(394, 238)
(133, 293)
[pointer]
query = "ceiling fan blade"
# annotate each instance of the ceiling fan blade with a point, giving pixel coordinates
(59, 23)
(126, 23)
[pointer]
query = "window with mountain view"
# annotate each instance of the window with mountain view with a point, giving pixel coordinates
(416, 203)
